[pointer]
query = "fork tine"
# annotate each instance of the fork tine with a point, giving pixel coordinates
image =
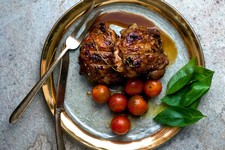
(86, 14)
(83, 34)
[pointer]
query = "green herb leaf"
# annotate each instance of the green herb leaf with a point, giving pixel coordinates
(178, 116)
(198, 89)
(203, 79)
(184, 91)
(172, 100)
(181, 78)
(195, 104)
(175, 98)
(201, 74)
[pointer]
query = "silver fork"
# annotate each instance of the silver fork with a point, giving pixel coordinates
(72, 43)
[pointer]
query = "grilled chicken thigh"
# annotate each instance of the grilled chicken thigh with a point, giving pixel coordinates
(96, 55)
(139, 52)
(107, 58)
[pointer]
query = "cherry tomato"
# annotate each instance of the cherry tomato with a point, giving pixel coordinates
(117, 102)
(152, 88)
(100, 93)
(134, 86)
(137, 105)
(120, 125)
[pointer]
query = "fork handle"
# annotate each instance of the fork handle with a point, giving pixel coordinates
(17, 113)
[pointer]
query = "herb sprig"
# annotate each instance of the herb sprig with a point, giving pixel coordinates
(183, 94)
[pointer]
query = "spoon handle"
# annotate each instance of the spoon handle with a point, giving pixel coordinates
(17, 113)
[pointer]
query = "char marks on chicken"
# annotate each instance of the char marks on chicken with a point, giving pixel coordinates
(106, 58)
(96, 55)
(139, 52)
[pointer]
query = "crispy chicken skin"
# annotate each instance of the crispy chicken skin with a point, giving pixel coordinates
(139, 52)
(106, 58)
(96, 55)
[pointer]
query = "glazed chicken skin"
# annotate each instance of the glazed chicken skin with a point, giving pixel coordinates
(139, 52)
(106, 58)
(96, 55)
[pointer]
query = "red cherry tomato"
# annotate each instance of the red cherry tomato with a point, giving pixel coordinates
(137, 105)
(134, 86)
(117, 102)
(100, 93)
(152, 88)
(120, 125)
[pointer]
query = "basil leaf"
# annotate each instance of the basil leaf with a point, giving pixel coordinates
(200, 74)
(198, 89)
(195, 104)
(183, 94)
(180, 97)
(203, 71)
(174, 99)
(181, 78)
(207, 79)
(178, 116)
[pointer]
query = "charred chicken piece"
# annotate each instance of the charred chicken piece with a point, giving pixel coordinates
(96, 55)
(139, 52)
